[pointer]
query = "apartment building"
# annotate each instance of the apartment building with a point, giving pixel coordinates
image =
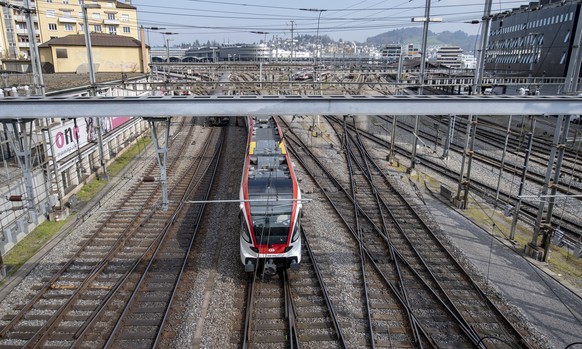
(450, 56)
(60, 18)
(392, 52)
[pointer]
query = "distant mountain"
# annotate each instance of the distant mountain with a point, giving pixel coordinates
(414, 36)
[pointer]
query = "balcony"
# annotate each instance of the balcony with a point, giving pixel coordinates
(22, 31)
(24, 44)
(111, 21)
(67, 20)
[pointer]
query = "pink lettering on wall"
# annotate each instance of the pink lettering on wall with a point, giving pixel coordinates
(67, 137)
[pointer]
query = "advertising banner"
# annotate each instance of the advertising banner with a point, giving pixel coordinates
(74, 134)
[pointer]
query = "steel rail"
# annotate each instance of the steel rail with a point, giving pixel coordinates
(570, 228)
(290, 313)
(490, 304)
(193, 184)
(44, 332)
(453, 311)
(134, 265)
(326, 297)
(489, 139)
(371, 259)
(404, 290)
(358, 230)
(247, 333)
(197, 223)
(53, 320)
(446, 301)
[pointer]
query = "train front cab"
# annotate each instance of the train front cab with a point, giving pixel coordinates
(271, 247)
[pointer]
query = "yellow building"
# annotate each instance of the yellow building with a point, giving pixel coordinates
(59, 18)
(111, 53)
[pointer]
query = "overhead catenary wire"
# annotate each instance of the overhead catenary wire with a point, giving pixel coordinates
(333, 24)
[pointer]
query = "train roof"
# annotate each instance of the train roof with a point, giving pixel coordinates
(269, 174)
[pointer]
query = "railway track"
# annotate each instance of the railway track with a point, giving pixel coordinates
(291, 309)
(438, 303)
(78, 293)
(493, 141)
(154, 287)
(568, 225)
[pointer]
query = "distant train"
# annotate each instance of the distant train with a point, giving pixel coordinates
(270, 237)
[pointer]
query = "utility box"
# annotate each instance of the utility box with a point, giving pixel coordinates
(446, 193)
(534, 252)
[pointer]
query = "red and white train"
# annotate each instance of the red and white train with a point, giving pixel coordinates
(270, 238)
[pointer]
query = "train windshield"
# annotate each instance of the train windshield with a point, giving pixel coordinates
(271, 209)
(272, 226)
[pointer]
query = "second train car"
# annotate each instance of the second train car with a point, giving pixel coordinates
(270, 237)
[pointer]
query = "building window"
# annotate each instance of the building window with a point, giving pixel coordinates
(52, 26)
(50, 13)
(563, 59)
(96, 15)
(49, 1)
(65, 178)
(125, 18)
(66, 2)
(110, 4)
(567, 37)
(97, 28)
(69, 27)
(68, 14)
(112, 29)
(111, 16)
(62, 53)
(126, 29)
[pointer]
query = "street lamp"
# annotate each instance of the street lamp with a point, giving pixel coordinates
(148, 31)
(317, 33)
(92, 80)
(425, 21)
(148, 40)
(84, 8)
(167, 43)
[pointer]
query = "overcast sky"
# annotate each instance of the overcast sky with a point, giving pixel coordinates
(229, 21)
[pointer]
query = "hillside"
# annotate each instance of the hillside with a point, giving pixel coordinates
(414, 35)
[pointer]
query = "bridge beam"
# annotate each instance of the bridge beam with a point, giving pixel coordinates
(196, 106)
